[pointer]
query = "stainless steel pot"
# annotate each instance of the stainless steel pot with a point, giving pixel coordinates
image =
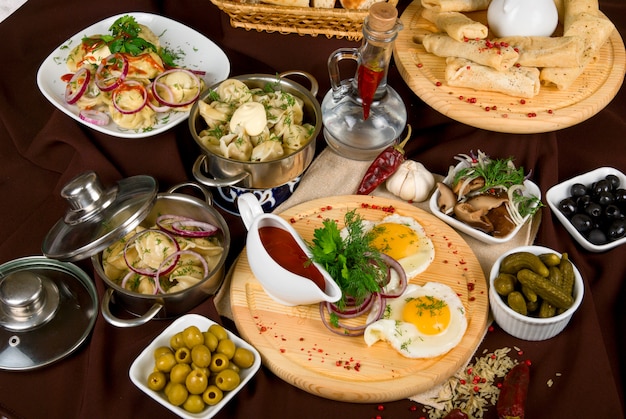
(97, 218)
(213, 170)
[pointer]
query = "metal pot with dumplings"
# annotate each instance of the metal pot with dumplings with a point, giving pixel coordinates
(255, 131)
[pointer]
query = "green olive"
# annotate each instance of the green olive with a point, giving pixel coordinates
(177, 394)
(219, 332)
(194, 404)
(205, 370)
(212, 395)
(196, 382)
(227, 380)
(201, 356)
(243, 358)
(177, 341)
(192, 336)
(165, 362)
(210, 340)
(179, 373)
(161, 350)
(157, 381)
(226, 347)
(219, 362)
(232, 366)
(183, 355)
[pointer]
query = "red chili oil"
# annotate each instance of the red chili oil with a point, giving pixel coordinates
(284, 249)
(368, 81)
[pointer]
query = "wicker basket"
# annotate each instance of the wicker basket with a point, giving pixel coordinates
(337, 22)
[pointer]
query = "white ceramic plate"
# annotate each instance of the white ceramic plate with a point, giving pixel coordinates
(562, 190)
(144, 365)
(196, 51)
(531, 189)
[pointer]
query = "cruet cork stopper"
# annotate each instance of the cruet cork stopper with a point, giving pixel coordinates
(382, 17)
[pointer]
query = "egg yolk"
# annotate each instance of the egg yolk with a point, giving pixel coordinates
(395, 240)
(430, 315)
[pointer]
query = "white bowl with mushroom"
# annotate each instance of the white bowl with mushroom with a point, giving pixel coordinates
(483, 216)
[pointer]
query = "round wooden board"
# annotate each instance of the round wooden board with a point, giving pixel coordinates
(554, 109)
(297, 347)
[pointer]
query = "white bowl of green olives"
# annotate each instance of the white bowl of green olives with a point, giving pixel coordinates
(194, 367)
(534, 291)
(592, 207)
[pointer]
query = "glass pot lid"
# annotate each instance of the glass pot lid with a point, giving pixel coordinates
(47, 310)
(97, 217)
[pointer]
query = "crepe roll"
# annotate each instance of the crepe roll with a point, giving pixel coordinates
(456, 5)
(458, 26)
(498, 57)
(518, 81)
(594, 31)
(574, 8)
(543, 51)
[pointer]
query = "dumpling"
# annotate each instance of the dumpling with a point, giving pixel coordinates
(143, 119)
(233, 90)
(266, 151)
(89, 53)
(147, 34)
(236, 147)
(296, 136)
(144, 66)
(215, 113)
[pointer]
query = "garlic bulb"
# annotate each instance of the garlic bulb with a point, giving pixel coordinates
(411, 182)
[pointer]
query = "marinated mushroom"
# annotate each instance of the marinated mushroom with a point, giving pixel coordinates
(487, 202)
(463, 187)
(473, 217)
(447, 199)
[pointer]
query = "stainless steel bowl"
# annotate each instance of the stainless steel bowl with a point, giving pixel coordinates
(214, 170)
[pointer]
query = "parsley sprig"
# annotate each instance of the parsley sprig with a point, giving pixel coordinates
(352, 262)
(125, 38)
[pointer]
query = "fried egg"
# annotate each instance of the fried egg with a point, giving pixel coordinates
(424, 322)
(403, 239)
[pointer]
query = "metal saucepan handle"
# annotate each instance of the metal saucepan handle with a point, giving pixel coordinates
(208, 196)
(315, 87)
(208, 181)
(115, 321)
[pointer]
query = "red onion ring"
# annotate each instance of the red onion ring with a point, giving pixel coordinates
(152, 272)
(395, 265)
(76, 87)
(94, 117)
(347, 330)
(106, 79)
(179, 225)
(171, 267)
(158, 82)
(351, 309)
(155, 104)
(128, 87)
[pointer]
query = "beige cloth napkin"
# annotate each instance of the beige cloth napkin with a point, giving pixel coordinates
(333, 175)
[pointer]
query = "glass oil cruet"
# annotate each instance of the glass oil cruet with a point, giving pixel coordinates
(363, 115)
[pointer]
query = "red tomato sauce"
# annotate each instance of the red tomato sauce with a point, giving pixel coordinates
(283, 248)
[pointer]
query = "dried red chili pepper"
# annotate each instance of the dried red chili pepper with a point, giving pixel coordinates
(456, 414)
(383, 166)
(512, 399)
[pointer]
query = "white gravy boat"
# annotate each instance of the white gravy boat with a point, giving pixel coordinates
(284, 286)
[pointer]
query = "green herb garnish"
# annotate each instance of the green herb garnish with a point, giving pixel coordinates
(352, 262)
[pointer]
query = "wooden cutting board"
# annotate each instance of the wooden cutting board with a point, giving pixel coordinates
(554, 109)
(297, 347)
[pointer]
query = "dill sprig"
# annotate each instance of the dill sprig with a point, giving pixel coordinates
(497, 173)
(352, 262)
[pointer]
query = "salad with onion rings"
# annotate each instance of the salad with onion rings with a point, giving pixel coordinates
(128, 77)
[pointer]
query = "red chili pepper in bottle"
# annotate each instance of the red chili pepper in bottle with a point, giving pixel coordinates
(512, 400)
(383, 166)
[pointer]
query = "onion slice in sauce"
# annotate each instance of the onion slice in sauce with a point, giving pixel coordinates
(127, 90)
(76, 87)
(111, 72)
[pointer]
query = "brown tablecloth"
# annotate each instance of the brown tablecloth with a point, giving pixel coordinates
(41, 149)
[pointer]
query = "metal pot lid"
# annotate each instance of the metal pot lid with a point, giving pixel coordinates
(47, 310)
(96, 217)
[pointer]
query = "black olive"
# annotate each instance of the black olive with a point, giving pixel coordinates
(613, 212)
(620, 196)
(582, 222)
(613, 181)
(593, 210)
(583, 201)
(568, 207)
(578, 189)
(597, 236)
(617, 230)
(600, 186)
(605, 198)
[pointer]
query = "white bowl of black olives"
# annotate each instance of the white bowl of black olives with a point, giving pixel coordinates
(592, 207)
(195, 367)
